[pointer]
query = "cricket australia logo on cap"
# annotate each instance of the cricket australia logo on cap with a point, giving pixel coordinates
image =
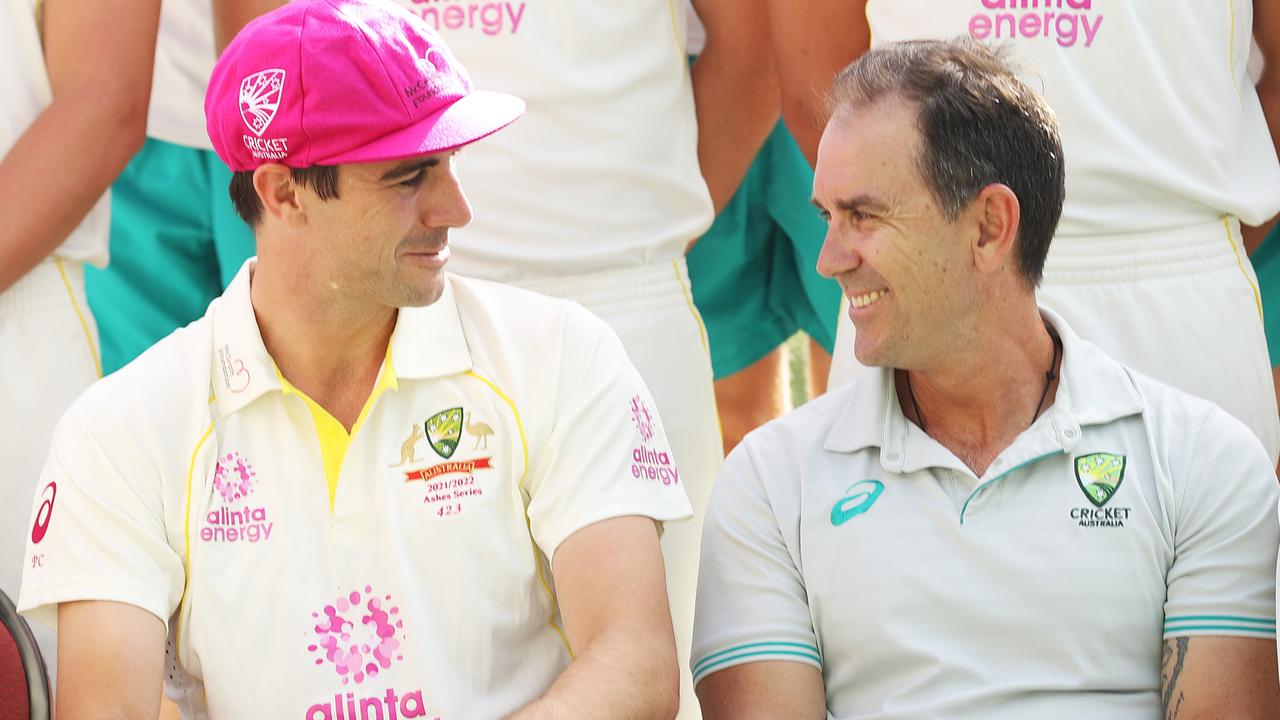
(260, 98)
(1099, 476)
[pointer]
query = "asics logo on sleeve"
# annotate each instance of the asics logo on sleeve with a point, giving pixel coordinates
(859, 497)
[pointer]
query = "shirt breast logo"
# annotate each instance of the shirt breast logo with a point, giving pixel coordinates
(1099, 476)
(234, 518)
(451, 486)
(858, 498)
(360, 636)
(1069, 23)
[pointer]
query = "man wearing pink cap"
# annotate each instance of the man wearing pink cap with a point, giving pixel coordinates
(360, 487)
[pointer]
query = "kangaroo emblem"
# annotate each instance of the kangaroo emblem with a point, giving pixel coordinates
(408, 449)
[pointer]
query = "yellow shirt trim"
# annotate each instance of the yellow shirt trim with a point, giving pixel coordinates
(333, 437)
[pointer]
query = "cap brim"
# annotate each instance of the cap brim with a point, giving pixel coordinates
(480, 114)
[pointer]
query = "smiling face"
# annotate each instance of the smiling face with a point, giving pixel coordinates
(384, 240)
(908, 273)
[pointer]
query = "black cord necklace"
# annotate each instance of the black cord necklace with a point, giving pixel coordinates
(1049, 377)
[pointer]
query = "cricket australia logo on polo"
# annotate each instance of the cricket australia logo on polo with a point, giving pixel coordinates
(360, 636)
(235, 517)
(1099, 476)
(452, 486)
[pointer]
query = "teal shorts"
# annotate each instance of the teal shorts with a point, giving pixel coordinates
(1266, 264)
(753, 275)
(176, 242)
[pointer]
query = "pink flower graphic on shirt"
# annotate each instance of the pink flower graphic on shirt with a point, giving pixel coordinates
(233, 477)
(642, 418)
(358, 640)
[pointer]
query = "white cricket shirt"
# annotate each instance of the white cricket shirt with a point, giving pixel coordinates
(400, 572)
(844, 537)
(24, 87)
(1160, 121)
(184, 61)
(601, 173)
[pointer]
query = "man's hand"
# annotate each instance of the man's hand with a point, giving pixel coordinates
(110, 661)
(58, 169)
(613, 597)
(1219, 677)
(772, 690)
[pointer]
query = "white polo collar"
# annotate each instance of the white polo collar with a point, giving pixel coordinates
(1094, 390)
(427, 342)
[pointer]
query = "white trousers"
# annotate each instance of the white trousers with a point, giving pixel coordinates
(48, 356)
(1181, 306)
(651, 309)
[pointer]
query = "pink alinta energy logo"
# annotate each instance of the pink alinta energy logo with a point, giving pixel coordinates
(358, 636)
(642, 418)
(233, 477)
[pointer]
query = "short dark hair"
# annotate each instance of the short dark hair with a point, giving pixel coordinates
(321, 178)
(980, 125)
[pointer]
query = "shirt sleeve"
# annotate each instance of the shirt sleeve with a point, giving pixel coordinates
(97, 532)
(751, 605)
(1223, 577)
(607, 455)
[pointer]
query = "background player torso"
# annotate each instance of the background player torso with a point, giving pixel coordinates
(602, 171)
(1160, 122)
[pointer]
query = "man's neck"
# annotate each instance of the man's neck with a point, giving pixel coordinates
(986, 394)
(324, 346)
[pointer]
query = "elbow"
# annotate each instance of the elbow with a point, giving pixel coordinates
(664, 685)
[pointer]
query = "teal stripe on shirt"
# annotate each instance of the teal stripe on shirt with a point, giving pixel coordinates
(708, 668)
(749, 646)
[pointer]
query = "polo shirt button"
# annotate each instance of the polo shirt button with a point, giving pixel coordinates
(891, 457)
(1070, 432)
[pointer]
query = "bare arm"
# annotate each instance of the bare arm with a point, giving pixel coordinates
(772, 690)
(110, 661)
(735, 87)
(814, 40)
(612, 591)
(55, 173)
(1266, 30)
(1219, 677)
(231, 15)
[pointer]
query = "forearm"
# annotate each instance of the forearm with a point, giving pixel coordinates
(736, 94)
(1269, 94)
(814, 40)
(229, 16)
(52, 177)
(625, 674)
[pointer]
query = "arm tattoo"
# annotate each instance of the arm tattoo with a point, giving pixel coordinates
(1173, 657)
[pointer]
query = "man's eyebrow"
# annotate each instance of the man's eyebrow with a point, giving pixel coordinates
(409, 168)
(865, 203)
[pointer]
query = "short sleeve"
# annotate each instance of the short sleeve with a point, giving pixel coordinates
(97, 532)
(1223, 577)
(751, 603)
(607, 455)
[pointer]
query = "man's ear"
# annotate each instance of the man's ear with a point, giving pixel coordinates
(998, 215)
(278, 192)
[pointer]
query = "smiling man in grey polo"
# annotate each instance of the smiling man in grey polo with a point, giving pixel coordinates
(1001, 521)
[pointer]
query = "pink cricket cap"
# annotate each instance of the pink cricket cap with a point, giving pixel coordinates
(328, 82)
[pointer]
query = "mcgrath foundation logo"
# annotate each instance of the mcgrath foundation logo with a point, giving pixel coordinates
(233, 477)
(1099, 476)
(260, 98)
(360, 637)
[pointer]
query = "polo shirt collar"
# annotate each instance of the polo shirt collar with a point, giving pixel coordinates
(427, 342)
(1094, 390)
